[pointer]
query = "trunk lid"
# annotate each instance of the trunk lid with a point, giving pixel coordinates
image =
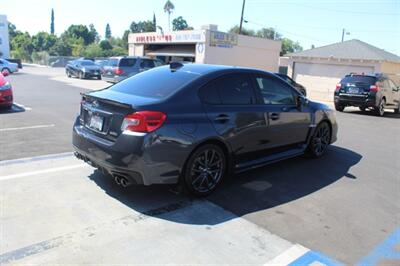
(102, 112)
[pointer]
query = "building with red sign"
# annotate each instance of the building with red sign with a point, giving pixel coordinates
(207, 46)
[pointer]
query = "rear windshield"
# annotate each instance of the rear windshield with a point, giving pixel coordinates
(127, 62)
(359, 79)
(158, 83)
(87, 63)
(112, 62)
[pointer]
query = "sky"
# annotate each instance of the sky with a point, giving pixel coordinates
(312, 22)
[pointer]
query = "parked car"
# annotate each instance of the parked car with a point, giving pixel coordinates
(83, 69)
(8, 67)
(120, 68)
(375, 92)
(297, 86)
(16, 61)
(6, 94)
(193, 124)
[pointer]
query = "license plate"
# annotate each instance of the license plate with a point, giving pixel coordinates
(353, 90)
(96, 122)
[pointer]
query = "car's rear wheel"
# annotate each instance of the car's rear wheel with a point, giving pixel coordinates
(397, 111)
(362, 109)
(205, 170)
(339, 108)
(68, 74)
(81, 75)
(99, 77)
(380, 109)
(320, 140)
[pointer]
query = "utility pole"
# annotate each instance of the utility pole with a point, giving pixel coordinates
(343, 31)
(241, 18)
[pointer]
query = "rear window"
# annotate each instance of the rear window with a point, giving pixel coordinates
(158, 83)
(359, 79)
(87, 63)
(127, 62)
(112, 62)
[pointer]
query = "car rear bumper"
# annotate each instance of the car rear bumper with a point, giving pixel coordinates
(136, 157)
(114, 79)
(351, 100)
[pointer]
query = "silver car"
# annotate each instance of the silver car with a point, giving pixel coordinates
(8, 67)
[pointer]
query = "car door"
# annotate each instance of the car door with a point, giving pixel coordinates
(230, 104)
(394, 91)
(287, 124)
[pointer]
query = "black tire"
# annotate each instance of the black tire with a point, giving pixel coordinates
(320, 140)
(380, 109)
(7, 107)
(362, 109)
(99, 77)
(81, 75)
(339, 108)
(397, 111)
(205, 170)
(68, 74)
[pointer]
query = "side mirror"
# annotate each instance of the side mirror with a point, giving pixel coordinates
(301, 101)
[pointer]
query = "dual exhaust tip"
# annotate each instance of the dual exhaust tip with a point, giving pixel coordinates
(122, 181)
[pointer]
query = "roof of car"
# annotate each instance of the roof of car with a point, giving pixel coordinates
(351, 49)
(206, 68)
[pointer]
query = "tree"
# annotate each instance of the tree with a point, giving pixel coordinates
(142, 26)
(169, 8)
(125, 38)
(108, 31)
(179, 24)
(61, 48)
(12, 30)
(52, 22)
(245, 31)
(81, 32)
(269, 33)
(43, 41)
(154, 21)
(105, 45)
(93, 33)
(289, 46)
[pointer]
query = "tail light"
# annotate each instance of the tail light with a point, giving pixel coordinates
(118, 71)
(143, 121)
(338, 86)
(374, 88)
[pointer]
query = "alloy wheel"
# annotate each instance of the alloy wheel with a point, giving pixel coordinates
(321, 139)
(206, 170)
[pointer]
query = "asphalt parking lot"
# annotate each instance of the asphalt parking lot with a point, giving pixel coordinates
(341, 209)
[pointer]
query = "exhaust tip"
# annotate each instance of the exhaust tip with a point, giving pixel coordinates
(117, 180)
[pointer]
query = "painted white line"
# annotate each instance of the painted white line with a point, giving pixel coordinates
(23, 128)
(288, 256)
(37, 158)
(51, 170)
(22, 106)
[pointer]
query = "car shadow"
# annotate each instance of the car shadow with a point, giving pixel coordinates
(14, 109)
(253, 191)
(388, 114)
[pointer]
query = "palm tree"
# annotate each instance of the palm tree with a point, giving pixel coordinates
(169, 8)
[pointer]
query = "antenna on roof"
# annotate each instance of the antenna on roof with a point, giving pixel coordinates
(174, 66)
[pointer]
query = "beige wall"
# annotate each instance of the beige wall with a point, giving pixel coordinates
(320, 76)
(393, 69)
(250, 52)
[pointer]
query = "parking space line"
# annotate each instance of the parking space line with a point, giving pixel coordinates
(46, 171)
(291, 254)
(23, 128)
(36, 158)
(22, 106)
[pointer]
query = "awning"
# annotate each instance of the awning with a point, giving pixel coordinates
(183, 51)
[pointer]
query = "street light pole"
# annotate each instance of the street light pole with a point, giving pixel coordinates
(241, 18)
(343, 34)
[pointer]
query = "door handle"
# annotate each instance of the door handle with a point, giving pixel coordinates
(222, 118)
(274, 116)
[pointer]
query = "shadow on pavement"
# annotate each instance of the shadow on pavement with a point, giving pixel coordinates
(14, 109)
(388, 114)
(252, 191)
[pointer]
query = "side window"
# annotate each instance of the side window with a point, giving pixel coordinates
(392, 85)
(274, 91)
(127, 62)
(232, 89)
(146, 63)
(158, 63)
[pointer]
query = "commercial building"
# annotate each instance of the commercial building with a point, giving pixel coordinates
(207, 46)
(320, 69)
(4, 38)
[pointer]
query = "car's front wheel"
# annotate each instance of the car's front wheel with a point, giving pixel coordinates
(205, 170)
(320, 140)
(397, 111)
(81, 75)
(339, 108)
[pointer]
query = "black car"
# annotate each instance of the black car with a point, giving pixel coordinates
(298, 86)
(376, 92)
(193, 124)
(83, 69)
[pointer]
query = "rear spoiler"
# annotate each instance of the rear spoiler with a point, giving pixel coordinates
(123, 105)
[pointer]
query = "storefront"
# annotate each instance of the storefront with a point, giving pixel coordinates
(207, 46)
